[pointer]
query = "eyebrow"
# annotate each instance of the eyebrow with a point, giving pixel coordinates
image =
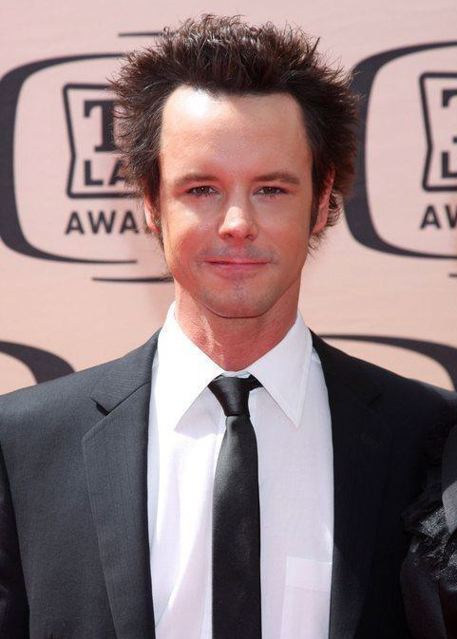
(275, 176)
(279, 176)
(195, 177)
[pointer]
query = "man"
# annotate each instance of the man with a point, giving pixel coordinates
(235, 476)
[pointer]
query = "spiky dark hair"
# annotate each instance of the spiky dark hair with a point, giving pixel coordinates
(225, 55)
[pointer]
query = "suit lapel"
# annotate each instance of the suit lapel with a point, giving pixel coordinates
(361, 449)
(115, 454)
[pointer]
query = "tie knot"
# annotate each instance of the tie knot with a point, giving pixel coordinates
(232, 393)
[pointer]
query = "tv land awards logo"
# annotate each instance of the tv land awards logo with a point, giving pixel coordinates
(64, 197)
(404, 201)
(95, 169)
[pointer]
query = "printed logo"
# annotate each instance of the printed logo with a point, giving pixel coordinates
(63, 192)
(404, 198)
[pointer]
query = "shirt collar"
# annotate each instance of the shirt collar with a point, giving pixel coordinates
(184, 371)
(283, 371)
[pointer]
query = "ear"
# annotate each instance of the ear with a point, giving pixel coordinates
(151, 215)
(323, 205)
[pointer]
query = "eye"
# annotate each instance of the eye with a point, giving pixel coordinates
(271, 191)
(201, 191)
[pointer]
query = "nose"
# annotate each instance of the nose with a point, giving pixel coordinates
(238, 223)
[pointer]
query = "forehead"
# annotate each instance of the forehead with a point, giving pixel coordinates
(198, 119)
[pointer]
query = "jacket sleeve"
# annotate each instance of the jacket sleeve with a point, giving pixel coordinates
(14, 614)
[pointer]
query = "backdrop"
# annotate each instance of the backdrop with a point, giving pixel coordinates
(82, 283)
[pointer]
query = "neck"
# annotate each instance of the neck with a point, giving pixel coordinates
(234, 343)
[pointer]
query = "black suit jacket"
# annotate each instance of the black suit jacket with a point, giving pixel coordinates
(74, 548)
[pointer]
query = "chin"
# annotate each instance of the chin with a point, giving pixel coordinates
(237, 309)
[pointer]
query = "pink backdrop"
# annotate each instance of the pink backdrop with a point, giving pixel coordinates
(82, 283)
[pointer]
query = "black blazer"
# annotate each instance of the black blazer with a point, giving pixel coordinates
(74, 551)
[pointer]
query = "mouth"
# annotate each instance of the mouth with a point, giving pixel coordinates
(236, 261)
(235, 265)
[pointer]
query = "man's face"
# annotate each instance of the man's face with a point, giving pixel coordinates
(235, 202)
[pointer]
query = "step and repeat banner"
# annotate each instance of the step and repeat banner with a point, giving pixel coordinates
(81, 280)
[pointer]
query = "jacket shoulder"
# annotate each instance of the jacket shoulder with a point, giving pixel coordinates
(401, 396)
(73, 394)
(53, 392)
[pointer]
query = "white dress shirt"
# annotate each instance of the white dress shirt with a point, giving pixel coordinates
(291, 419)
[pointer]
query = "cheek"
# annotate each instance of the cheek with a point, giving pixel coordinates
(293, 247)
(296, 251)
(182, 239)
(291, 234)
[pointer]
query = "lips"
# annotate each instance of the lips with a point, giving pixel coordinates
(236, 262)
(235, 266)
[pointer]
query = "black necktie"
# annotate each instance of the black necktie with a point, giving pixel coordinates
(236, 517)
